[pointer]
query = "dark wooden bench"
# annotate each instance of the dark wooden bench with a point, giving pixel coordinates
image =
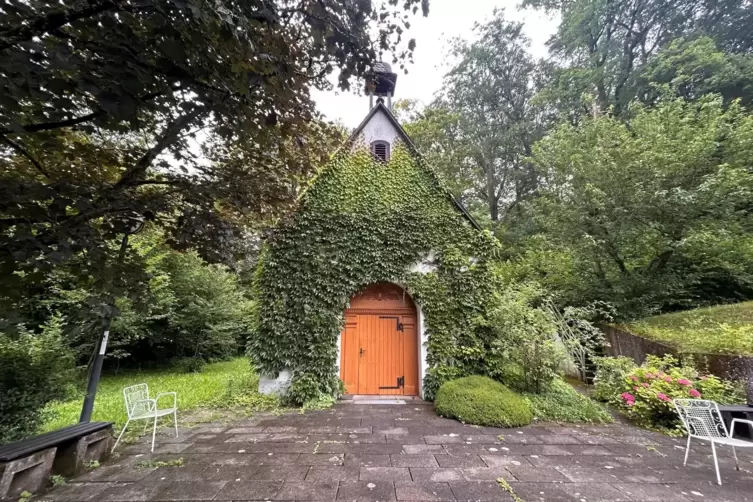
(27, 464)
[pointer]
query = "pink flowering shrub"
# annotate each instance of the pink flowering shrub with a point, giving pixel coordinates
(645, 393)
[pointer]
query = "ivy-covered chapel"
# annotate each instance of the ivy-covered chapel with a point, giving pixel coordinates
(376, 285)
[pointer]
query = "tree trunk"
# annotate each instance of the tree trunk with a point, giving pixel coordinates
(491, 193)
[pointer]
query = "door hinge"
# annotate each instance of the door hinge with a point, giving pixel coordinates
(400, 326)
(400, 383)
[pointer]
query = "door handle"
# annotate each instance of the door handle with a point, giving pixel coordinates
(361, 352)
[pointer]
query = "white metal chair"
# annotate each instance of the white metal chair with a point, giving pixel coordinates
(702, 420)
(140, 407)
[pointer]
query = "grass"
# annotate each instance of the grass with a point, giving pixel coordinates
(217, 384)
(156, 464)
(723, 329)
(562, 403)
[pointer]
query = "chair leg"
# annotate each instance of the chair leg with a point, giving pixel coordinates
(175, 419)
(687, 450)
(121, 435)
(716, 463)
(146, 424)
(737, 464)
(154, 433)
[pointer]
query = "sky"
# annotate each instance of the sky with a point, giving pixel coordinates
(447, 19)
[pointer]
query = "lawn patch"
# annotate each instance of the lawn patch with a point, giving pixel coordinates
(722, 329)
(230, 383)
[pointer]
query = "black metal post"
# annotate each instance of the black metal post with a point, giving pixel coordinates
(91, 388)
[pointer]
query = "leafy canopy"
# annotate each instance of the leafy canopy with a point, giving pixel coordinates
(479, 131)
(602, 48)
(663, 200)
(196, 114)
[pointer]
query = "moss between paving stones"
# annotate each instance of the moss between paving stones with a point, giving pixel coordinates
(479, 400)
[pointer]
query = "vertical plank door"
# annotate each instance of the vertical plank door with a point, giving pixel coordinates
(349, 354)
(380, 362)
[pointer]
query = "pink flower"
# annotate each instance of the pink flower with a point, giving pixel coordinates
(668, 379)
(627, 397)
(683, 381)
(694, 393)
(634, 378)
(649, 375)
(644, 384)
(662, 397)
(630, 403)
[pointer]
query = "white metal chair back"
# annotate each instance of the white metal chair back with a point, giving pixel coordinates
(701, 418)
(136, 399)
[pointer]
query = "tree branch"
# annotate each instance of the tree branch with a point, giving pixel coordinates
(157, 182)
(52, 21)
(169, 135)
(18, 148)
(46, 126)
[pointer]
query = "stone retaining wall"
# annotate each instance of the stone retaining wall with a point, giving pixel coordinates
(729, 367)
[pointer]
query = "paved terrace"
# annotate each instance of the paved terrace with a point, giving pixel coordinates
(381, 452)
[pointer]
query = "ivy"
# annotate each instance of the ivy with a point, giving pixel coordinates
(361, 222)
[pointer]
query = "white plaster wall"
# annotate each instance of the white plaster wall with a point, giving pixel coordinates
(271, 385)
(339, 348)
(423, 351)
(379, 128)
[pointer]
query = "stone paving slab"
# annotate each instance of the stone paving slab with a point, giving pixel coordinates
(358, 452)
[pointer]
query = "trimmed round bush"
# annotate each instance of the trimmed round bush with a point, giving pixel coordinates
(479, 400)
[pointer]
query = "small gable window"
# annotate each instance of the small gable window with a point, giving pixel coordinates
(381, 150)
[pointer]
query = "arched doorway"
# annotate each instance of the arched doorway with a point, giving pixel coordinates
(379, 345)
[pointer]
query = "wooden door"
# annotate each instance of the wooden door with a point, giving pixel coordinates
(379, 343)
(380, 363)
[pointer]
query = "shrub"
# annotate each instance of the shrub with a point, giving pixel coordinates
(306, 389)
(187, 364)
(438, 375)
(581, 338)
(610, 373)
(645, 393)
(35, 368)
(562, 403)
(241, 391)
(480, 400)
(525, 351)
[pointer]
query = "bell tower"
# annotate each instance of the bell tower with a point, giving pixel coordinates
(381, 83)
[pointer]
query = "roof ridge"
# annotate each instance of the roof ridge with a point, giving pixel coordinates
(380, 106)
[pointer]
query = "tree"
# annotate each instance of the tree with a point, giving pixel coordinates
(437, 134)
(102, 101)
(655, 214)
(486, 102)
(697, 66)
(602, 46)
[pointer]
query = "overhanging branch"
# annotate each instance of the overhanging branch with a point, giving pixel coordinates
(18, 148)
(169, 135)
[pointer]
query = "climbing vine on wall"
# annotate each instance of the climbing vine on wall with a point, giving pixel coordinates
(361, 222)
